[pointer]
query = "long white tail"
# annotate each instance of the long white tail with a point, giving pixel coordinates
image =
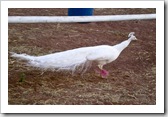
(62, 61)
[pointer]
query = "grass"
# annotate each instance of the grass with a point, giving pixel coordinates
(132, 79)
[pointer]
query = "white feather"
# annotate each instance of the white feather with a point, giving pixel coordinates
(78, 59)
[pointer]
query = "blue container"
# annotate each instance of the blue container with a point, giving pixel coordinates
(80, 11)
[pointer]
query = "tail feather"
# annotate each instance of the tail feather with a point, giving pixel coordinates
(56, 62)
(22, 56)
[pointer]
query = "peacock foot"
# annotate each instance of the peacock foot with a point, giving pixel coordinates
(104, 73)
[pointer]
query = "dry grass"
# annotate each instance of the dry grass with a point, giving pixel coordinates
(132, 78)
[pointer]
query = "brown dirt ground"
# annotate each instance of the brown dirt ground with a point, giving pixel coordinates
(132, 79)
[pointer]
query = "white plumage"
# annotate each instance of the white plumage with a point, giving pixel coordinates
(78, 59)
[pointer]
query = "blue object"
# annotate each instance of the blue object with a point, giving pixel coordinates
(80, 11)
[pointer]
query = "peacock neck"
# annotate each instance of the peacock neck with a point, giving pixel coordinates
(120, 47)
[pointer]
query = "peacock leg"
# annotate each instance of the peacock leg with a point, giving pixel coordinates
(104, 73)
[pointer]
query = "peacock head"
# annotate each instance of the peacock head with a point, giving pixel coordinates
(131, 36)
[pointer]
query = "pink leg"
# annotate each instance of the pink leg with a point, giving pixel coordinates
(104, 73)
